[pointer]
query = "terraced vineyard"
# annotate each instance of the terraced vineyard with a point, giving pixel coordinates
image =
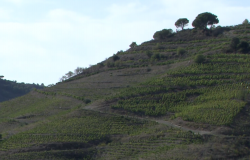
(150, 103)
(208, 93)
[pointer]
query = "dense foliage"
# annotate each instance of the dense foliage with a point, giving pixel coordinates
(163, 34)
(205, 19)
(182, 22)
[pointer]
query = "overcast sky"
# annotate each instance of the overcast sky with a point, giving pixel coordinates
(41, 40)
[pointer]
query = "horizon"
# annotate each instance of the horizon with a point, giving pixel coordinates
(42, 40)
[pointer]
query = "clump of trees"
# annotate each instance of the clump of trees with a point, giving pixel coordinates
(163, 34)
(181, 23)
(205, 19)
(237, 45)
(70, 74)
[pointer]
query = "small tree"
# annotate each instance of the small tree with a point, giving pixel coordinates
(245, 22)
(132, 45)
(182, 22)
(69, 74)
(205, 19)
(199, 58)
(234, 43)
(163, 34)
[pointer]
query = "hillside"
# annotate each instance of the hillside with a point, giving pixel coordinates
(12, 89)
(149, 102)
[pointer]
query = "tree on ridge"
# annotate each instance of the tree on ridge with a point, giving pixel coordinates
(181, 23)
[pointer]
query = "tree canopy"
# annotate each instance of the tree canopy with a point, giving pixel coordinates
(181, 23)
(163, 34)
(205, 19)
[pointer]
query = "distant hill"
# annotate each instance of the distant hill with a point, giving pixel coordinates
(12, 89)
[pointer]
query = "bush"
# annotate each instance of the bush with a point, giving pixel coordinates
(115, 57)
(199, 58)
(149, 54)
(244, 46)
(133, 45)
(156, 56)
(219, 30)
(87, 101)
(181, 51)
(163, 34)
(0, 136)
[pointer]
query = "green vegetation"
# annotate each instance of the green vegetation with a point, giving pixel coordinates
(163, 34)
(199, 58)
(183, 95)
(132, 45)
(206, 93)
(12, 89)
(181, 23)
(204, 19)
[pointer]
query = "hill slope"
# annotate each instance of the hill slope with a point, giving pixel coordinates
(10, 89)
(150, 103)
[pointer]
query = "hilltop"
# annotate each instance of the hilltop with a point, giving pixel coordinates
(185, 96)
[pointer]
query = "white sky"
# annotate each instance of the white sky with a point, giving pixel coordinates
(41, 40)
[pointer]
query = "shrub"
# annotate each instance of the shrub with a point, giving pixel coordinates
(0, 136)
(219, 30)
(115, 57)
(87, 101)
(156, 56)
(149, 54)
(163, 34)
(199, 58)
(132, 45)
(181, 51)
(244, 46)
